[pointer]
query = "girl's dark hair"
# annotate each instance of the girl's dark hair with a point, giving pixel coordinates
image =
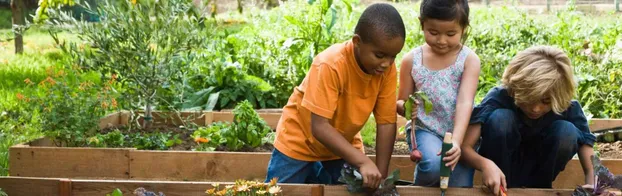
(446, 10)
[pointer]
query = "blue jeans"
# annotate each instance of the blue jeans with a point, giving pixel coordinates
(528, 156)
(428, 169)
(289, 170)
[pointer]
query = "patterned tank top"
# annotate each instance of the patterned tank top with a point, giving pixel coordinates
(441, 87)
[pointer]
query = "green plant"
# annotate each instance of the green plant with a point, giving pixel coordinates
(153, 141)
(246, 188)
(69, 109)
(112, 139)
(354, 182)
(247, 129)
(135, 42)
(209, 138)
(2, 193)
(368, 132)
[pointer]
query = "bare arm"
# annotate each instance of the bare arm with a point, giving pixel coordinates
(466, 94)
(585, 154)
(492, 176)
(330, 137)
(464, 107)
(385, 140)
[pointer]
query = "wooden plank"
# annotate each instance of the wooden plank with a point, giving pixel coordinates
(169, 188)
(69, 162)
(64, 187)
(198, 166)
(176, 118)
(110, 120)
(572, 176)
(600, 124)
(29, 186)
(413, 190)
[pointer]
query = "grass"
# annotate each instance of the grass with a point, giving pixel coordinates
(368, 132)
(18, 124)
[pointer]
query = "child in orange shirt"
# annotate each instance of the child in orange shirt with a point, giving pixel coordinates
(319, 129)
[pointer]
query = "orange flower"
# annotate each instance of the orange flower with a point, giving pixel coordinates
(50, 80)
(113, 103)
(27, 81)
(273, 181)
(104, 105)
(20, 96)
(201, 140)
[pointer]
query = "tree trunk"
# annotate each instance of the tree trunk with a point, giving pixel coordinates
(148, 119)
(17, 6)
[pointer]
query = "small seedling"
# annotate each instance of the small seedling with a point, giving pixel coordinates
(354, 181)
(604, 181)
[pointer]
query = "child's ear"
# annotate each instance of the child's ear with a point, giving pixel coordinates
(356, 39)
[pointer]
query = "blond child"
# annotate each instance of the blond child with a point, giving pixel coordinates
(529, 126)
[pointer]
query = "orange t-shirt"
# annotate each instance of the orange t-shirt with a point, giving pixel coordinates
(335, 88)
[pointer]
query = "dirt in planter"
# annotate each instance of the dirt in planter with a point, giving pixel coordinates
(400, 148)
(610, 150)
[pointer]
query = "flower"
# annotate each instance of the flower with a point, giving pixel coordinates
(274, 190)
(113, 103)
(201, 140)
(133, 2)
(261, 192)
(211, 191)
(274, 181)
(243, 188)
(27, 81)
(20, 96)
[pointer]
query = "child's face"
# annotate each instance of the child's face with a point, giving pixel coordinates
(536, 110)
(442, 36)
(377, 55)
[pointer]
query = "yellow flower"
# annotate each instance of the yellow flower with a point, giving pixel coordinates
(133, 2)
(228, 186)
(211, 191)
(243, 188)
(274, 190)
(261, 192)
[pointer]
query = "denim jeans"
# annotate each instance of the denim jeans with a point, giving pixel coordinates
(528, 158)
(427, 171)
(289, 170)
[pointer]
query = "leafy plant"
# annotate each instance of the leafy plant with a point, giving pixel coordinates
(135, 41)
(2, 193)
(368, 132)
(209, 138)
(247, 129)
(112, 139)
(144, 192)
(354, 182)
(153, 141)
(246, 188)
(70, 109)
(604, 180)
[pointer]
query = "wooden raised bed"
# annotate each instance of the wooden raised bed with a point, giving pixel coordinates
(18, 186)
(41, 159)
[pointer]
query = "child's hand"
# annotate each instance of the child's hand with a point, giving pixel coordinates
(452, 156)
(371, 175)
(493, 178)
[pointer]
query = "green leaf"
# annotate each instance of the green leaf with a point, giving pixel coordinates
(310, 1)
(332, 20)
(117, 192)
(348, 5)
(211, 101)
(426, 101)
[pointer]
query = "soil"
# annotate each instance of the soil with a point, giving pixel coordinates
(610, 150)
(400, 148)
